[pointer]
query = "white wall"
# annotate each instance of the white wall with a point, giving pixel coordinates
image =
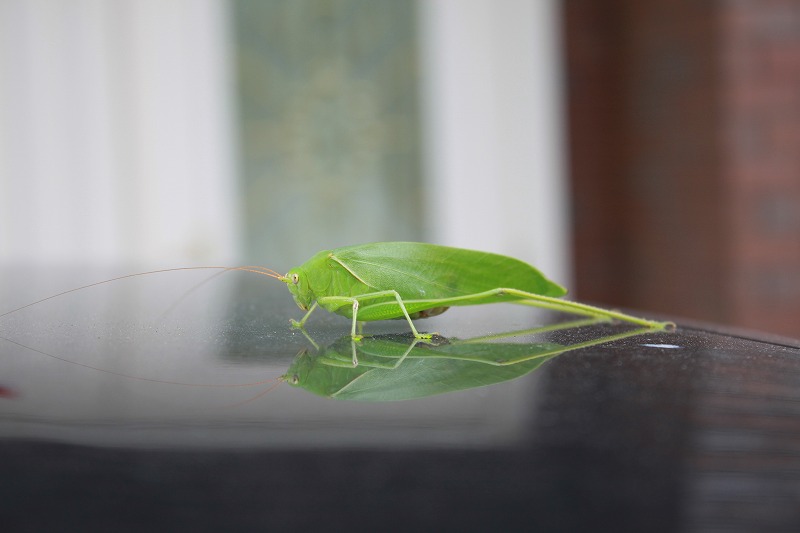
(115, 131)
(492, 88)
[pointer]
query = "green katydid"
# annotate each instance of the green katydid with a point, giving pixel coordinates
(389, 368)
(404, 280)
(408, 280)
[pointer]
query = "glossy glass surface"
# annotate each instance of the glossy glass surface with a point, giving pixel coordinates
(682, 425)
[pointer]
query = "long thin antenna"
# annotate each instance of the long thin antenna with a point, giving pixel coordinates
(254, 269)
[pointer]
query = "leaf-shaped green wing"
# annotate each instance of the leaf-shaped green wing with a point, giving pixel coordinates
(421, 271)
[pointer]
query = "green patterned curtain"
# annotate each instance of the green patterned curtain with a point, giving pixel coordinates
(329, 125)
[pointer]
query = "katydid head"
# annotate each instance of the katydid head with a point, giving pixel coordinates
(298, 369)
(297, 281)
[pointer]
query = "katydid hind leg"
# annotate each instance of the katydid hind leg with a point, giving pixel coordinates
(567, 306)
(548, 302)
(402, 306)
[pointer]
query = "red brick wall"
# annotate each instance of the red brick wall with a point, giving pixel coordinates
(685, 157)
(760, 95)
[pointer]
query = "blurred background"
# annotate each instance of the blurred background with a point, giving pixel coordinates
(646, 154)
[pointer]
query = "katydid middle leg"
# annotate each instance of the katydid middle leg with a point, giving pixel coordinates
(355, 302)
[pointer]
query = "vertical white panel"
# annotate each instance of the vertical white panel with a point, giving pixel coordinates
(115, 139)
(492, 92)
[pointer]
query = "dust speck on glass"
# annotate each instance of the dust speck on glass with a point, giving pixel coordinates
(329, 125)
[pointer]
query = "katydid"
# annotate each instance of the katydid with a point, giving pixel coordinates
(408, 280)
(389, 368)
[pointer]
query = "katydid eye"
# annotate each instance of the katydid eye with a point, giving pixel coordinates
(295, 278)
(295, 379)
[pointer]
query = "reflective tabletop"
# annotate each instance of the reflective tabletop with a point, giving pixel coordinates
(187, 399)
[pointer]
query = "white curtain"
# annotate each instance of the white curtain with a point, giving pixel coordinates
(115, 132)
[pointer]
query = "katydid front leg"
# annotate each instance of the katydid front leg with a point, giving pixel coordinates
(353, 334)
(301, 324)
